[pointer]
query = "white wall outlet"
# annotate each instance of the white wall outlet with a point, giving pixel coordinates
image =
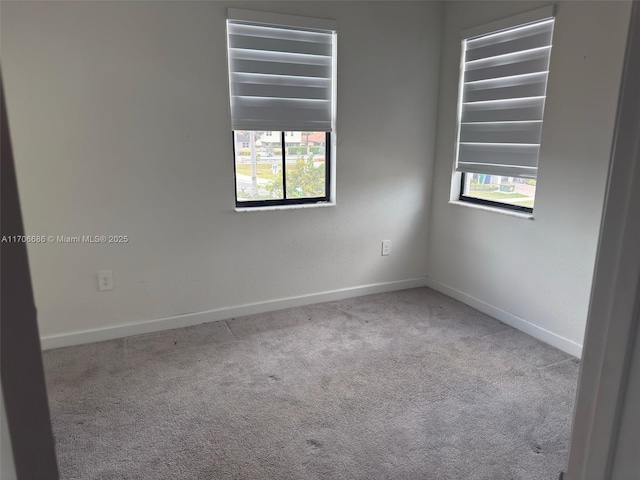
(386, 247)
(105, 280)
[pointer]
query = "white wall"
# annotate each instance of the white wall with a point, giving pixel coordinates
(606, 427)
(120, 124)
(536, 274)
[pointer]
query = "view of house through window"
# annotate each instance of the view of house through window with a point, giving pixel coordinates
(514, 191)
(265, 170)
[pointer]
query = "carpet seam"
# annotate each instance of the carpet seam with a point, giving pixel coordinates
(230, 331)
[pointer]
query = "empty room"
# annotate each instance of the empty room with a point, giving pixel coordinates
(307, 240)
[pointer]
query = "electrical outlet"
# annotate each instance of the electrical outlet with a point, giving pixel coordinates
(386, 247)
(105, 280)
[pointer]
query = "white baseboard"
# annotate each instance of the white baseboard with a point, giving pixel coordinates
(190, 319)
(564, 344)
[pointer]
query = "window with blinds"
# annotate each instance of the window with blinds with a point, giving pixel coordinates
(282, 83)
(503, 89)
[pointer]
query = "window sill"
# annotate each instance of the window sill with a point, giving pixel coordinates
(503, 211)
(286, 207)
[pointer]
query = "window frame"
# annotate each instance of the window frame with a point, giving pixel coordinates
(326, 198)
(488, 29)
(291, 121)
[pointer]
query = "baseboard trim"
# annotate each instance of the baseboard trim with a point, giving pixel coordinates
(562, 343)
(190, 319)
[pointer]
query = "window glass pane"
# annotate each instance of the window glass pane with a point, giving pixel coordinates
(258, 165)
(305, 164)
(508, 190)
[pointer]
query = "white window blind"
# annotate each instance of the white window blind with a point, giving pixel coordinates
(503, 91)
(281, 71)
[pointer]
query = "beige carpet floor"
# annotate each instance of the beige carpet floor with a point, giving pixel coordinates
(403, 385)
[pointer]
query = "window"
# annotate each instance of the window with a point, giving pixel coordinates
(282, 82)
(502, 93)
